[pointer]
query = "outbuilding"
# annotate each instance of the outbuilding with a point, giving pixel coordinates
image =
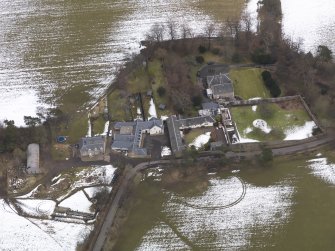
(33, 159)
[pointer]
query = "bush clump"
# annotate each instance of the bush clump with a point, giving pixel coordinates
(161, 91)
(271, 84)
(200, 59)
(202, 49)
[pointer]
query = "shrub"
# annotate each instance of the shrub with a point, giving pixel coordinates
(267, 155)
(200, 59)
(202, 49)
(236, 58)
(161, 91)
(196, 100)
(271, 84)
(266, 75)
(216, 51)
(275, 91)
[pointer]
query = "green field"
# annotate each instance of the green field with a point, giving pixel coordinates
(280, 121)
(248, 83)
(221, 10)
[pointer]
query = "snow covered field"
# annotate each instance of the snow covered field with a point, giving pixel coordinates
(77, 202)
(262, 209)
(39, 208)
(21, 234)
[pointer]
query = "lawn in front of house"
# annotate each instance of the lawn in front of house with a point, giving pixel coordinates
(248, 83)
(278, 119)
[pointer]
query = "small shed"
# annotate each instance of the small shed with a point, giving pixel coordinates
(149, 93)
(162, 106)
(33, 159)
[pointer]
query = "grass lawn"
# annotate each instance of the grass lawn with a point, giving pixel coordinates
(74, 130)
(156, 73)
(118, 106)
(194, 133)
(98, 125)
(248, 83)
(139, 81)
(60, 151)
(279, 122)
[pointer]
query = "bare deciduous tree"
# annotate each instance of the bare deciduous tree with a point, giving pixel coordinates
(156, 33)
(209, 32)
(171, 26)
(185, 31)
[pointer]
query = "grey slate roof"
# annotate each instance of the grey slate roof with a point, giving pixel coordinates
(221, 89)
(210, 106)
(132, 140)
(174, 126)
(214, 69)
(218, 79)
(174, 135)
(190, 122)
(96, 143)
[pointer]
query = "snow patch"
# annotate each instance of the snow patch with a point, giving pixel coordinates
(152, 109)
(261, 124)
(92, 191)
(322, 169)
(55, 178)
(300, 132)
(247, 130)
(201, 140)
(166, 151)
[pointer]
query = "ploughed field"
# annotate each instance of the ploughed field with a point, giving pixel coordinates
(67, 53)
